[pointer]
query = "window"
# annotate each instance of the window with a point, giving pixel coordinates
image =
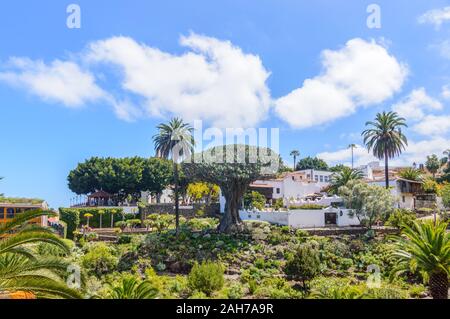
(308, 176)
(403, 199)
(2, 212)
(321, 178)
(293, 178)
(326, 178)
(316, 178)
(10, 213)
(278, 190)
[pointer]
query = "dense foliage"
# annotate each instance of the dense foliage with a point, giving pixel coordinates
(312, 163)
(121, 177)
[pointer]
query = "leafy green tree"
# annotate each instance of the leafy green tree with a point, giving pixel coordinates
(433, 164)
(21, 269)
(342, 177)
(233, 168)
(337, 168)
(174, 140)
(303, 264)
(369, 203)
(295, 154)
(385, 139)
(312, 163)
(424, 247)
(132, 288)
(203, 192)
(123, 177)
(254, 200)
(411, 174)
(445, 194)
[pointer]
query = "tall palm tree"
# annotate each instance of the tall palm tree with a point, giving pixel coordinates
(352, 147)
(295, 154)
(174, 140)
(425, 247)
(342, 177)
(385, 138)
(22, 269)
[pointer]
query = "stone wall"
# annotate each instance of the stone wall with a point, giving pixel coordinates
(187, 211)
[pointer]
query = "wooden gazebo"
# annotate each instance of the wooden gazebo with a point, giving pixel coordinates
(99, 198)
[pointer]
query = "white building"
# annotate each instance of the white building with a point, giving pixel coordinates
(330, 217)
(294, 185)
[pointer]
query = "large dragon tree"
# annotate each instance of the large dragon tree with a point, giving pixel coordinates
(233, 168)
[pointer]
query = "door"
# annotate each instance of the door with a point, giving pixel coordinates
(330, 219)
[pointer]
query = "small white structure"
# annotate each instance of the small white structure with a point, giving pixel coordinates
(404, 191)
(304, 218)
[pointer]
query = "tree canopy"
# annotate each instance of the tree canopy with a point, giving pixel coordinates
(232, 168)
(121, 176)
(312, 163)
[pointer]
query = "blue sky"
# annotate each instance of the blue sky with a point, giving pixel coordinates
(69, 94)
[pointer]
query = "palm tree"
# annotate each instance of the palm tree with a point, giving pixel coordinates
(385, 138)
(112, 212)
(342, 177)
(88, 216)
(131, 288)
(411, 174)
(352, 147)
(22, 270)
(174, 140)
(447, 153)
(425, 247)
(295, 154)
(433, 164)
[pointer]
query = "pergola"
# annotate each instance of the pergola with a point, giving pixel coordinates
(99, 198)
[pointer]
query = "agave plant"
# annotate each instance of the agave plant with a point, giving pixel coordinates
(424, 247)
(132, 288)
(22, 269)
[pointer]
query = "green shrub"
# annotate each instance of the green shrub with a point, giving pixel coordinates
(206, 277)
(401, 217)
(201, 224)
(303, 263)
(278, 204)
(255, 200)
(72, 219)
(124, 239)
(99, 259)
(159, 222)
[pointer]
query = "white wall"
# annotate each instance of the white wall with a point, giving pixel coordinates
(279, 218)
(301, 218)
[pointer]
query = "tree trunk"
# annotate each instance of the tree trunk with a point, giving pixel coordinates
(177, 208)
(100, 220)
(295, 159)
(231, 221)
(386, 168)
(439, 285)
(112, 220)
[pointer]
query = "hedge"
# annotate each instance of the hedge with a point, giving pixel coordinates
(68, 216)
(72, 219)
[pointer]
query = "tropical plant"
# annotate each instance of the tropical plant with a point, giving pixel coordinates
(295, 154)
(22, 270)
(174, 140)
(430, 186)
(433, 164)
(132, 288)
(411, 174)
(445, 194)
(203, 192)
(424, 247)
(342, 177)
(385, 139)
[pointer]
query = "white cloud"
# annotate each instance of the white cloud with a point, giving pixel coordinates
(445, 92)
(433, 125)
(344, 156)
(436, 17)
(215, 81)
(360, 74)
(413, 106)
(59, 81)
